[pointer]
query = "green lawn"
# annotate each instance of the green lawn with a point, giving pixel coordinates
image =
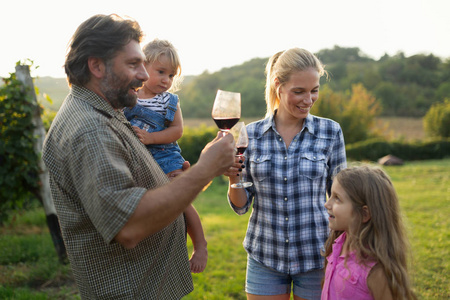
(29, 268)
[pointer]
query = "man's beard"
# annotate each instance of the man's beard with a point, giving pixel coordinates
(117, 92)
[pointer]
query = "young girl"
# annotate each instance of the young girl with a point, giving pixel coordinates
(367, 247)
(158, 123)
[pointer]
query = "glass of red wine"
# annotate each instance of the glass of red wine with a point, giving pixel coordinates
(226, 111)
(240, 135)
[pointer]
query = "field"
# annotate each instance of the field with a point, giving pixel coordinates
(29, 268)
(405, 128)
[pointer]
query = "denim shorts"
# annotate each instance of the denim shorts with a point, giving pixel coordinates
(262, 280)
(168, 159)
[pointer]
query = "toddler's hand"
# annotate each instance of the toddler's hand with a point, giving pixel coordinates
(144, 136)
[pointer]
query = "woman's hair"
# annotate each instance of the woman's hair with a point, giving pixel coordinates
(99, 36)
(155, 49)
(281, 66)
(383, 238)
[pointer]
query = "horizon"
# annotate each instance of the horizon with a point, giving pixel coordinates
(193, 75)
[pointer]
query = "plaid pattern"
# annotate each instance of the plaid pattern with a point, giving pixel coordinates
(99, 171)
(289, 223)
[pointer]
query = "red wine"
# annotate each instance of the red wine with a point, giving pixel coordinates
(240, 150)
(226, 123)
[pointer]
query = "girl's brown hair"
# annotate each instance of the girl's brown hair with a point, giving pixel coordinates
(383, 238)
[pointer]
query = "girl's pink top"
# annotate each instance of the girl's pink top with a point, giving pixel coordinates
(345, 280)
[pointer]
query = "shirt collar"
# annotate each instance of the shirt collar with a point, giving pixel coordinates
(269, 122)
(97, 102)
(337, 247)
(309, 124)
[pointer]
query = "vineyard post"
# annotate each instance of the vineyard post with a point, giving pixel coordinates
(23, 75)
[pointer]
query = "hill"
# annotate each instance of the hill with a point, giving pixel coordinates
(404, 86)
(58, 88)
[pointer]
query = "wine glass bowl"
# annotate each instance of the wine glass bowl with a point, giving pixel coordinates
(226, 110)
(240, 135)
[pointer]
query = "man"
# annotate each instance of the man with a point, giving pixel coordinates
(121, 219)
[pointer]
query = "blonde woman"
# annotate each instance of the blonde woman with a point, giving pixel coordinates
(290, 159)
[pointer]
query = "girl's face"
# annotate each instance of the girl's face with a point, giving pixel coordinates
(340, 208)
(161, 76)
(298, 95)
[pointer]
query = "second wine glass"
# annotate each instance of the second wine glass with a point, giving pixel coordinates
(241, 139)
(226, 111)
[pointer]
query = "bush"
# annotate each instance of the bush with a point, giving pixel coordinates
(374, 149)
(354, 110)
(18, 159)
(194, 140)
(437, 120)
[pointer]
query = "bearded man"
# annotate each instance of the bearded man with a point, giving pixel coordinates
(121, 219)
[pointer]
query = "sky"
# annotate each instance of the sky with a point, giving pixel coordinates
(214, 34)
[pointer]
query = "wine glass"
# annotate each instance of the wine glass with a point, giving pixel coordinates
(241, 138)
(226, 111)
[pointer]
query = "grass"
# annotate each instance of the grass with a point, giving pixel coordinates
(29, 268)
(423, 189)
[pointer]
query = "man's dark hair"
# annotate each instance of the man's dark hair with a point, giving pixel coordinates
(100, 36)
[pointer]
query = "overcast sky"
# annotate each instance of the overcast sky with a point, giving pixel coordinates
(210, 35)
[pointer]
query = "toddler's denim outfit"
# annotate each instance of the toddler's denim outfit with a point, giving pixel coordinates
(168, 156)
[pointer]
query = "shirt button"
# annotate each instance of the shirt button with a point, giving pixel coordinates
(285, 179)
(285, 198)
(281, 139)
(287, 219)
(285, 157)
(287, 241)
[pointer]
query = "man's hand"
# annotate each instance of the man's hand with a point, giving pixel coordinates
(218, 155)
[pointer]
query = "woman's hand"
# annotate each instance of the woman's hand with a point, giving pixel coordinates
(235, 170)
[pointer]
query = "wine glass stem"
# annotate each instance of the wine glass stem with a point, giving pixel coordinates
(241, 176)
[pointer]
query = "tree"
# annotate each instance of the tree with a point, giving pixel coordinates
(19, 162)
(437, 119)
(354, 110)
(25, 174)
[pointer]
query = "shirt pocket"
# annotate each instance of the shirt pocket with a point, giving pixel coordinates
(144, 124)
(312, 165)
(346, 285)
(260, 166)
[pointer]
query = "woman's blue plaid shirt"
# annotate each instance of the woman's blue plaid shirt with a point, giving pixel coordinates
(289, 223)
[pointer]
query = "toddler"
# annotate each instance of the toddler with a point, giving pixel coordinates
(158, 123)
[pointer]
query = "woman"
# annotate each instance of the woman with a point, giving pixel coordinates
(290, 159)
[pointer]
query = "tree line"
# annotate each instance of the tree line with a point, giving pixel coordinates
(403, 86)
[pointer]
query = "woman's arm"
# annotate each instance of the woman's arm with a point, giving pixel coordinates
(169, 135)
